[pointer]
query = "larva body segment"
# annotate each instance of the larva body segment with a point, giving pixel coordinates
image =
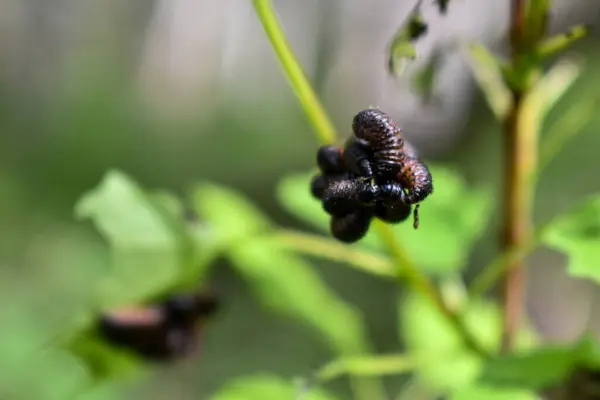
(415, 177)
(379, 130)
(344, 196)
(351, 227)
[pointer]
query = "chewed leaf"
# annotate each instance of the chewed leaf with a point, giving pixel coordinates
(577, 234)
(488, 74)
(266, 387)
(402, 50)
(141, 236)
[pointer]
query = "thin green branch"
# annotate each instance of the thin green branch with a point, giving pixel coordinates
(378, 365)
(326, 248)
(322, 125)
(408, 273)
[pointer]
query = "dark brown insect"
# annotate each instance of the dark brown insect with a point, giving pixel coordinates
(330, 159)
(159, 332)
(392, 213)
(351, 227)
(385, 140)
(347, 195)
(416, 178)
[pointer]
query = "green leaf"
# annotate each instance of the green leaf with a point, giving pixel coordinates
(539, 368)
(479, 392)
(454, 229)
(445, 363)
(487, 71)
(536, 19)
(53, 375)
(556, 43)
(289, 285)
(577, 234)
(293, 192)
(266, 387)
(402, 50)
(378, 365)
(229, 214)
(148, 254)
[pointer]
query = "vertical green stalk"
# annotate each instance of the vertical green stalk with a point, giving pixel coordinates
(407, 272)
(317, 115)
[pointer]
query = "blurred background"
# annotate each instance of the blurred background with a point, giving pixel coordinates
(179, 91)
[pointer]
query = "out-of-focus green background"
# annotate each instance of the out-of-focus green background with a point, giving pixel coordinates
(174, 92)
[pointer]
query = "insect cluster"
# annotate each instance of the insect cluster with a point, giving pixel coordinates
(163, 331)
(376, 174)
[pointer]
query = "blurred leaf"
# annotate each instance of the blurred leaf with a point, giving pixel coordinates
(376, 365)
(552, 86)
(169, 202)
(423, 80)
(479, 392)
(331, 249)
(577, 234)
(142, 239)
(556, 43)
(539, 368)
(488, 74)
(536, 17)
(54, 375)
(106, 361)
(454, 229)
(402, 50)
(287, 284)
(453, 226)
(229, 214)
(445, 363)
(266, 387)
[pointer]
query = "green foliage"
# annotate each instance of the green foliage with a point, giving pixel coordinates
(142, 237)
(266, 387)
(488, 72)
(454, 229)
(402, 49)
(542, 367)
(444, 363)
(577, 234)
(281, 280)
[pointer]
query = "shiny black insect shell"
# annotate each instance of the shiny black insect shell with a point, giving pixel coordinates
(161, 332)
(351, 227)
(320, 182)
(358, 157)
(330, 160)
(345, 196)
(392, 213)
(379, 130)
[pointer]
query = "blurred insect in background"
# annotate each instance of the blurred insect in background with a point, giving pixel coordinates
(165, 331)
(442, 6)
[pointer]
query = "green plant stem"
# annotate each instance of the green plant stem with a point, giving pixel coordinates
(521, 136)
(388, 364)
(313, 108)
(326, 248)
(408, 273)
